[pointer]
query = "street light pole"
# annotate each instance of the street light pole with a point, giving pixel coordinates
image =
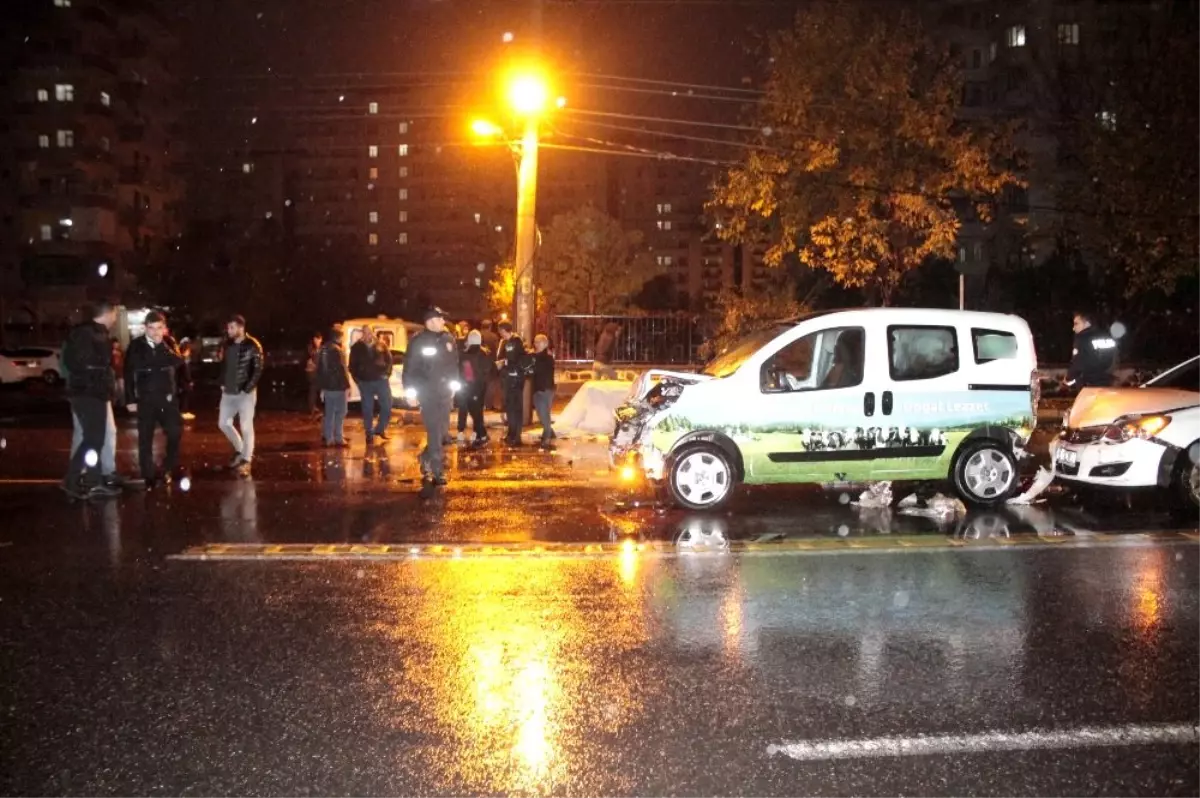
(524, 293)
(525, 289)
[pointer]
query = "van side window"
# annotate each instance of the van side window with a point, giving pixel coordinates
(819, 361)
(921, 353)
(992, 345)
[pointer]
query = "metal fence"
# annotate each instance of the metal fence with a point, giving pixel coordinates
(664, 340)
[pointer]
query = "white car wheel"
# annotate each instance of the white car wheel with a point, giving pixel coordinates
(985, 474)
(701, 478)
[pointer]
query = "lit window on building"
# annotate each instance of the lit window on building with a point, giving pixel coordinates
(373, 216)
(373, 108)
(403, 171)
(403, 150)
(664, 225)
(479, 282)
(62, 3)
(481, 267)
(1016, 36)
(373, 151)
(664, 207)
(1068, 33)
(403, 128)
(47, 232)
(66, 138)
(373, 239)
(373, 174)
(478, 218)
(247, 168)
(64, 92)
(1107, 119)
(402, 238)
(43, 95)
(105, 99)
(404, 216)
(44, 141)
(993, 51)
(402, 194)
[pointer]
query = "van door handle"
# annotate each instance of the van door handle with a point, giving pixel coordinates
(869, 404)
(887, 403)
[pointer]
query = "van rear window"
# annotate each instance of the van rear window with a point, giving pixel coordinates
(921, 353)
(992, 345)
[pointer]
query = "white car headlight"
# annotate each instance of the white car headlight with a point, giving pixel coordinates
(1129, 427)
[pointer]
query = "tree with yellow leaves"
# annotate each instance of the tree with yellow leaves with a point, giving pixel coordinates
(861, 159)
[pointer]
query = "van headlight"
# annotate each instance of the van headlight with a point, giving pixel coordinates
(410, 394)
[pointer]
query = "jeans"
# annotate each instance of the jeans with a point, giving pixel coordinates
(151, 413)
(371, 391)
(241, 406)
(541, 402)
(335, 416)
(108, 454)
(92, 416)
(435, 416)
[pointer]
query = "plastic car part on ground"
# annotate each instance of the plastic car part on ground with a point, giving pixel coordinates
(939, 508)
(1040, 483)
(877, 494)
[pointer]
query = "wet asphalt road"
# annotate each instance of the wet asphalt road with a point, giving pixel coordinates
(1027, 649)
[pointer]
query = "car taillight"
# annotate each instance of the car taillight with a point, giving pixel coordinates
(1130, 427)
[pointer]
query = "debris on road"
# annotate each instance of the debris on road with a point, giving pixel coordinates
(1037, 488)
(878, 494)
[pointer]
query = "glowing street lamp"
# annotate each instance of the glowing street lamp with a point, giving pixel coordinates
(528, 94)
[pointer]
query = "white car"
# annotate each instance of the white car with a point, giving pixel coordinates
(30, 363)
(1144, 437)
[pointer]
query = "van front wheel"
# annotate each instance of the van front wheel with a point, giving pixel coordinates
(985, 473)
(701, 477)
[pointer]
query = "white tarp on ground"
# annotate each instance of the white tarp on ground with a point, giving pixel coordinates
(591, 410)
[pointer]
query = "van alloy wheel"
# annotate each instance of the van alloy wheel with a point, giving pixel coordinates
(701, 478)
(985, 474)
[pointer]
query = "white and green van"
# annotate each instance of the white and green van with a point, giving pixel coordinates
(846, 396)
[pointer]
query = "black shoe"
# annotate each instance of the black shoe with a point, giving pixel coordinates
(73, 489)
(370, 441)
(383, 436)
(117, 481)
(236, 461)
(479, 443)
(547, 446)
(439, 482)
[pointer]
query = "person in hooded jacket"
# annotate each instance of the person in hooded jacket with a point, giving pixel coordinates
(475, 368)
(333, 380)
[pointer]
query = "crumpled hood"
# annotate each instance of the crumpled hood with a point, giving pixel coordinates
(642, 385)
(1099, 406)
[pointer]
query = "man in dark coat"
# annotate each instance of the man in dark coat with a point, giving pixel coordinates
(152, 366)
(1093, 355)
(87, 359)
(431, 378)
(512, 364)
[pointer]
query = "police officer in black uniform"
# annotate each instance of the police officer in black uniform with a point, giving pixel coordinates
(431, 378)
(512, 365)
(1093, 356)
(152, 365)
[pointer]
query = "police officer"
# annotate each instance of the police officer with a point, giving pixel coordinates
(431, 378)
(512, 365)
(1093, 357)
(152, 391)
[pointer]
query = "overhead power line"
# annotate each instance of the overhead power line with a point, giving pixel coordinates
(663, 120)
(653, 82)
(687, 94)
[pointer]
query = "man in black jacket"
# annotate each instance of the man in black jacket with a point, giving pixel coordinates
(431, 378)
(371, 368)
(512, 364)
(1093, 355)
(241, 369)
(152, 364)
(87, 359)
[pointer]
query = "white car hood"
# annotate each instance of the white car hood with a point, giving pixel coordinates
(642, 385)
(1098, 406)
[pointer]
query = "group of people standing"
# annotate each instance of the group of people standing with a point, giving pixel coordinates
(150, 377)
(440, 371)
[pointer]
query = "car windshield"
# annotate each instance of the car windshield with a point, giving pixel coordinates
(732, 357)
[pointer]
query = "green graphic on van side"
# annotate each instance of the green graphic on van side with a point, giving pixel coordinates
(828, 441)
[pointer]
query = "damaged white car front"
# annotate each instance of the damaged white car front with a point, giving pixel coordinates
(632, 448)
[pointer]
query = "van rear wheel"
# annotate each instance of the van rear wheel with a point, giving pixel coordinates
(985, 474)
(701, 477)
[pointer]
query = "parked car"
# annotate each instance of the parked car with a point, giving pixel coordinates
(30, 363)
(838, 397)
(1129, 438)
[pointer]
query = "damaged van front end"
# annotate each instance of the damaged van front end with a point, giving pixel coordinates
(632, 448)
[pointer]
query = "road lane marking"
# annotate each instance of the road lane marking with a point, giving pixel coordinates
(987, 742)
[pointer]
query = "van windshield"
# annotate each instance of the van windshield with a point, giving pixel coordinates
(732, 357)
